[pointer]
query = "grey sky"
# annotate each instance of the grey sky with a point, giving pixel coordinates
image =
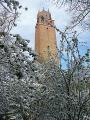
(27, 20)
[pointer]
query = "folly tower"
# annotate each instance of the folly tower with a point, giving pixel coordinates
(45, 37)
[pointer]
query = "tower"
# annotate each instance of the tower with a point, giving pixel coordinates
(45, 37)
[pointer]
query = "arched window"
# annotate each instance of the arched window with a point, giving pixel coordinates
(42, 19)
(48, 51)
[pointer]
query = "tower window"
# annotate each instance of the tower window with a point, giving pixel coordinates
(42, 19)
(48, 47)
(37, 19)
(48, 51)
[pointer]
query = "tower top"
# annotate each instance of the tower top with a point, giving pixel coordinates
(44, 17)
(44, 13)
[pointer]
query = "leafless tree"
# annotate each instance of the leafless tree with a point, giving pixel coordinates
(80, 10)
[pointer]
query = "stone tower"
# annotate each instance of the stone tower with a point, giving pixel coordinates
(45, 37)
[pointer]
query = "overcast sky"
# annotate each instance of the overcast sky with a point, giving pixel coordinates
(27, 20)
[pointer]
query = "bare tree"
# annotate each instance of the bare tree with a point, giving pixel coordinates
(8, 14)
(7, 21)
(9, 11)
(80, 10)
